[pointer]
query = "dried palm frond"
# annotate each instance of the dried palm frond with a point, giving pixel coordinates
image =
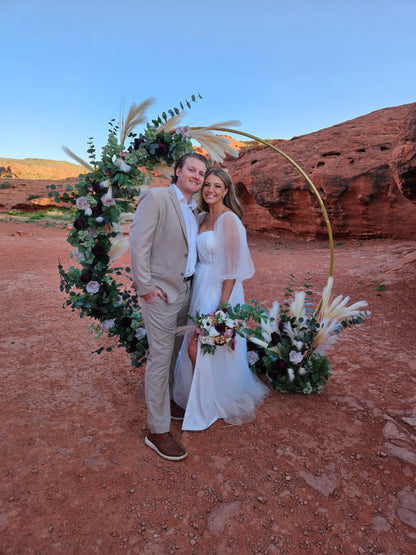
(258, 341)
(269, 326)
(231, 123)
(297, 307)
(274, 313)
(134, 117)
(215, 145)
(326, 335)
(172, 123)
(119, 245)
(165, 170)
(326, 295)
(337, 309)
(77, 158)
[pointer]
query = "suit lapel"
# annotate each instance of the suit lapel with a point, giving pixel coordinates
(178, 210)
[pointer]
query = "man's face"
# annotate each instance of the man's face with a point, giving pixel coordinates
(190, 177)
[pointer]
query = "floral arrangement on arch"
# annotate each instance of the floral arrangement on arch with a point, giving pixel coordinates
(103, 201)
(290, 342)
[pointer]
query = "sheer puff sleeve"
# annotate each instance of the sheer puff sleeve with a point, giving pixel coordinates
(233, 260)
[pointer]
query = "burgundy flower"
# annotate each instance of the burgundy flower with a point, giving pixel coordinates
(279, 365)
(96, 187)
(85, 277)
(97, 211)
(98, 250)
(220, 328)
(275, 338)
(133, 345)
(161, 149)
(272, 373)
(97, 312)
(137, 143)
(79, 223)
(281, 324)
(126, 322)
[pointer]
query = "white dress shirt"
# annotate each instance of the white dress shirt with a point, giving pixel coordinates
(191, 230)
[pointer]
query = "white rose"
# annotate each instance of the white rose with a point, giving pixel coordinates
(213, 332)
(105, 184)
(121, 164)
(93, 287)
(229, 323)
(291, 374)
(206, 339)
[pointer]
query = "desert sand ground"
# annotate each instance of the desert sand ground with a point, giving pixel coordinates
(329, 473)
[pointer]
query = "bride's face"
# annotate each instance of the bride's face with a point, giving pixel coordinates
(213, 190)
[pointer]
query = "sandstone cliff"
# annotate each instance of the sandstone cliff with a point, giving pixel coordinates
(364, 170)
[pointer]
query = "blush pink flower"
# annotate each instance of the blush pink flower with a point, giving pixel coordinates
(295, 357)
(107, 325)
(82, 204)
(93, 287)
(108, 200)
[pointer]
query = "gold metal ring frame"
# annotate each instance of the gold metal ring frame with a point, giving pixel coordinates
(300, 170)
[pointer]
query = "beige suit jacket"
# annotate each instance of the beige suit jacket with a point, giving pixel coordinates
(158, 243)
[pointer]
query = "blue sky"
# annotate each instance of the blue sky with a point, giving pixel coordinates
(283, 68)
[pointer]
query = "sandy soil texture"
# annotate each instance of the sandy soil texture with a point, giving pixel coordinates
(334, 473)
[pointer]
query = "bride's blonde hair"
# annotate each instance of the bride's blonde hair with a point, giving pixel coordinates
(230, 199)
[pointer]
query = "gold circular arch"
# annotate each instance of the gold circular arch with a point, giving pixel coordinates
(314, 189)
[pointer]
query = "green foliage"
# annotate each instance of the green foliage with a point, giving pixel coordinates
(99, 198)
(5, 185)
(39, 215)
(379, 286)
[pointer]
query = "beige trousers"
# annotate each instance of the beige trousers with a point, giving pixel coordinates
(161, 320)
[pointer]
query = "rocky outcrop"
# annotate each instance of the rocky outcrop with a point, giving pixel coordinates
(364, 170)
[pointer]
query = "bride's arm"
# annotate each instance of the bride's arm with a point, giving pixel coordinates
(227, 288)
(233, 258)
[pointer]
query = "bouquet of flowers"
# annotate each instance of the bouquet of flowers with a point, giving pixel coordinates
(216, 328)
(293, 337)
(223, 325)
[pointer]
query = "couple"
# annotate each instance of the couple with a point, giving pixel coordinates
(183, 262)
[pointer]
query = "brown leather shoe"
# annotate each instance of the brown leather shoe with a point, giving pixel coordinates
(165, 446)
(176, 412)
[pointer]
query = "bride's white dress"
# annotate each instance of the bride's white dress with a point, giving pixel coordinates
(222, 385)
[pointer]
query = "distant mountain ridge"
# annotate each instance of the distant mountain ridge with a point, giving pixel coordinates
(37, 168)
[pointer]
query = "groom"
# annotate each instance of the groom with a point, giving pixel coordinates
(163, 258)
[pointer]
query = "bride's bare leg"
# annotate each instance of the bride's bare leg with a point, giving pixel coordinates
(193, 349)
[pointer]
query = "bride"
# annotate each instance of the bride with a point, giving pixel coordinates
(222, 385)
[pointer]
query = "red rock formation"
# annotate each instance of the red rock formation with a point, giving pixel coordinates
(364, 170)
